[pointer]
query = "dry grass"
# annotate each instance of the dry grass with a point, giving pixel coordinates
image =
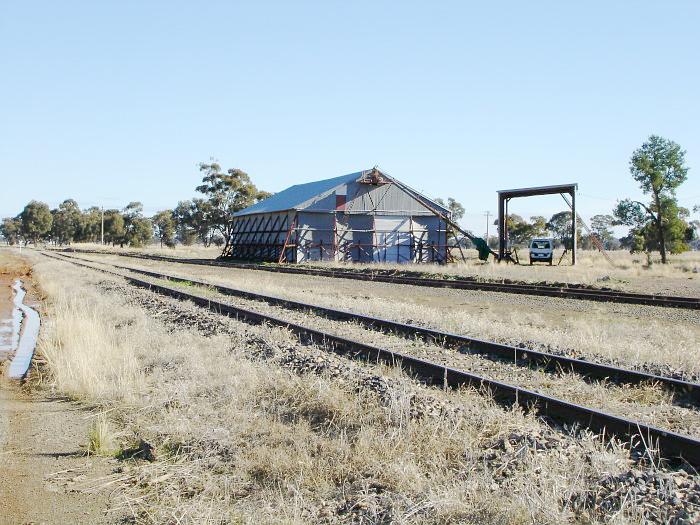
(102, 437)
(11, 263)
(88, 357)
(241, 439)
(631, 271)
(647, 403)
(196, 251)
(616, 333)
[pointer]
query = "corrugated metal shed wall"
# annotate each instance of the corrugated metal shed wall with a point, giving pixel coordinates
(315, 237)
(383, 198)
(366, 223)
(355, 236)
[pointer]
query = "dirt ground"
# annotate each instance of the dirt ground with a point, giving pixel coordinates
(46, 476)
(5, 316)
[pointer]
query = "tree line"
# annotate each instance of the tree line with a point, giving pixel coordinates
(558, 226)
(207, 219)
(68, 223)
(660, 224)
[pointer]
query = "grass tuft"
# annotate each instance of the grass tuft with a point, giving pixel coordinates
(102, 437)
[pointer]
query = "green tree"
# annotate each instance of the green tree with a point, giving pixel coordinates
(600, 225)
(226, 193)
(201, 220)
(455, 208)
(10, 230)
(182, 215)
(193, 220)
(138, 230)
(538, 226)
(644, 236)
(659, 168)
(90, 225)
(560, 225)
(36, 221)
(164, 227)
(66, 222)
(114, 228)
(520, 231)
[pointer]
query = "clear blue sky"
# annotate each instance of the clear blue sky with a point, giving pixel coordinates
(108, 102)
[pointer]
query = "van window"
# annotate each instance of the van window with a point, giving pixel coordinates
(540, 245)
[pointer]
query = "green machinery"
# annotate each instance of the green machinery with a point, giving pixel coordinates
(482, 247)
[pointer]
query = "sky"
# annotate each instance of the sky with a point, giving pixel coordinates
(112, 102)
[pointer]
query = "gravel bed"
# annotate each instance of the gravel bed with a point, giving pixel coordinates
(326, 292)
(665, 495)
(646, 403)
(390, 290)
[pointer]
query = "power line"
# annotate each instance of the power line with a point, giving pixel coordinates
(488, 214)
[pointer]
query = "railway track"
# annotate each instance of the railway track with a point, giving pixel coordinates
(587, 294)
(642, 437)
(513, 354)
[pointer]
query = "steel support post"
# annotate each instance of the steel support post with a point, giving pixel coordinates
(501, 221)
(573, 227)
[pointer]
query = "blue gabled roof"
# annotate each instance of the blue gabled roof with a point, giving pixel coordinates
(294, 196)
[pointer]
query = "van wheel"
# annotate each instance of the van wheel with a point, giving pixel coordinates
(550, 262)
(530, 262)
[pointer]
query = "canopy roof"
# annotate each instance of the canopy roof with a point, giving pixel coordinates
(539, 190)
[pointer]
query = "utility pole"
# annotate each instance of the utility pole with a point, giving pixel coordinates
(488, 214)
(102, 230)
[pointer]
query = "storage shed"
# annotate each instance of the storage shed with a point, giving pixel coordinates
(367, 216)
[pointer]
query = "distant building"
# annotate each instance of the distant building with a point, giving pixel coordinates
(366, 216)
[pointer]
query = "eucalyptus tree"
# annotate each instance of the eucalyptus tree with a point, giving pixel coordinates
(138, 229)
(226, 193)
(184, 231)
(455, 207)
(36, 221)
(90, 225)
(164, 227)
(10, 229)
(114, 231)
(66, 222)
(659, 168)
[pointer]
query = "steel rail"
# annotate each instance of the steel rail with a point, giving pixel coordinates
(516, 355)
(642, 437)
(588, 294)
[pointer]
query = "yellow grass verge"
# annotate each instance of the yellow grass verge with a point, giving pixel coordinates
(86, 355)
(629, 270)
(239, 438)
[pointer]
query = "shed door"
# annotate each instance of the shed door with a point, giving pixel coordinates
(393, 237)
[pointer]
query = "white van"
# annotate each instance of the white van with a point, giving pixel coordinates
(541, 250)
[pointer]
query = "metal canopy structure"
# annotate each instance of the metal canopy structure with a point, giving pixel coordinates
(504, 197)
